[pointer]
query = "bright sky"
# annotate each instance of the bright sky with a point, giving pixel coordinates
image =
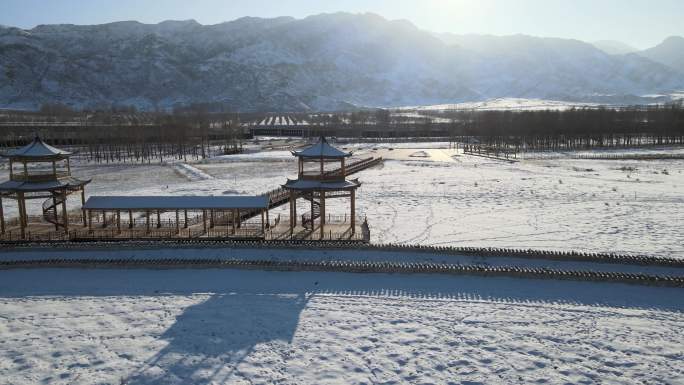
(640, 23)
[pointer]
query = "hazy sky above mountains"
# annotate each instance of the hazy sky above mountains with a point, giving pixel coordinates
(640, 23)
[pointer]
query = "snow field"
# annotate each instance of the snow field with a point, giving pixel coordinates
(69, 326)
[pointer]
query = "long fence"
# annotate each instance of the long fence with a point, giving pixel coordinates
(353, 267)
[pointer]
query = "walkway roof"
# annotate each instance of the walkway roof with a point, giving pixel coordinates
(176, 202)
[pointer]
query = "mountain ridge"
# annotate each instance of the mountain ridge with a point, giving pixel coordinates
(321, 62)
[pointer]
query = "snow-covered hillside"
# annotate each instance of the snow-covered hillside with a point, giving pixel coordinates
(322, 62)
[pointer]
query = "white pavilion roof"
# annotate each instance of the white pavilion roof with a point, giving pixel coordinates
(322, 149)
(37, 149)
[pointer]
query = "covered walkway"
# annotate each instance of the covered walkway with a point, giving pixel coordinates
(189, 215)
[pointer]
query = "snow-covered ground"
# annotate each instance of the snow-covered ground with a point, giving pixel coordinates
(68, 326)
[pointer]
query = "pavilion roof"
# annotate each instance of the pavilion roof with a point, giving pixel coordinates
(176, 202)
(322, 149)
(303, 184)
(57, 184)
(37, 149)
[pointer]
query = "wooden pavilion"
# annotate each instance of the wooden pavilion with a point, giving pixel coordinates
(43, 172)
(315, 184)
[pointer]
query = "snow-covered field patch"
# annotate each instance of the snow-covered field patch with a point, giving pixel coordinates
(67, 326)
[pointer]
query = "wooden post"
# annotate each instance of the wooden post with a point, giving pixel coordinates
(54, 208)
(268, 220)
(234, 219)
(322, 193)
(204, 220)
(158, 219)
(83, 213)
(263, 226)
(239, 219)
(25, 171)
(65, 214)
(54, 169)
(291, 211)
(2, 218)
(185, 216)
(343, 169)
(177, 222)
(130, 219)
(90, 219)
(104, 219)
(11, 164)
(147, 221)
(294, 210)
(211, 219)
(68, 167)
(22, 214)
(118, 221)
(353, 211)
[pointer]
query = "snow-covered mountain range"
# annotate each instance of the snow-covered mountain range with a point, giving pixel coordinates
(322, 62)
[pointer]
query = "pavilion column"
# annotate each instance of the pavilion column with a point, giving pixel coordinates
(83, 213)
(2, 218)
(158, 219)
(22, 214)
(185, 216)
(211, 219)
(322, 193)
(65, 213)
(54, 208)
(263, 226)
(130, 219)
(104, 219)
(268, 220)
(291, 211)
(204, 220)
(353, 211)
(147, 221)
(294, 210)
(90, 219)
(177, 222)
(118, 221)
(234, 219)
